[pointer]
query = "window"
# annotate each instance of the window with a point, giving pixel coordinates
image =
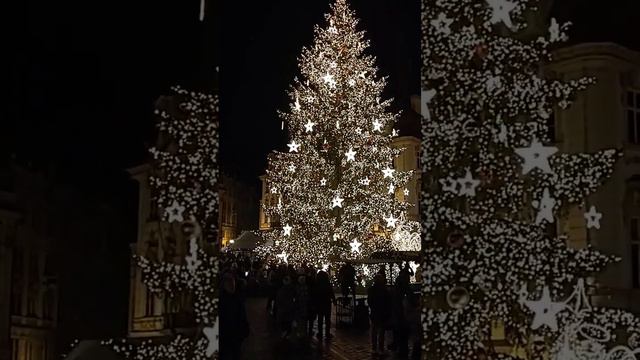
(632, 113)
(150, 304)
(551, 127)
(634, 235)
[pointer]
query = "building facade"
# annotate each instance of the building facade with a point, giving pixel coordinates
(28, 291)
(606, 115)
(151, 315)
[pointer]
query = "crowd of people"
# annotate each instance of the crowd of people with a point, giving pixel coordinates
(300, 302)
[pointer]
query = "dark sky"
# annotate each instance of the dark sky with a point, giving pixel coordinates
(84, 74)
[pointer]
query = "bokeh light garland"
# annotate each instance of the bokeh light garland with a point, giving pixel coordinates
(493, 184)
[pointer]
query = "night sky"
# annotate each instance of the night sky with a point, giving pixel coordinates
(83, 75)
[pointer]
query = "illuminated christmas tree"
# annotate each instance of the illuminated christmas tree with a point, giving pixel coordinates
(336, 185)
(184, 184)
(495, 188)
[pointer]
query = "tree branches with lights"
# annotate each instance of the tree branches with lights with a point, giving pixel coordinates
(336, 183)
(184, 183)
(494, 186)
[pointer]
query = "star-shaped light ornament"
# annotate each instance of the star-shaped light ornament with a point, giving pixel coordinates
(425, 99)
(406, 192)
(377, 125)
(351, 155)
(388, 172)
(449, 184)
(545, 207)
(175, 211)
(501, 10)
(394, 133)
(287, 230)
(292, 168)
(392, 189)
(293, 147)
(329, 80)
(213, 335)
(536, 156)
(355, 246)
(468, 184)
(337, 202)
(442, 24)
(545, 311)
(308, 127)
(323, 182)
(593, 218)
(391, 221)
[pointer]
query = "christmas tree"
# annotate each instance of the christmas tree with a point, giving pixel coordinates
(495, 188)
(336, 185)
(184, 184)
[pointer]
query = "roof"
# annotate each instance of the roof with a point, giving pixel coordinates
(92, 350)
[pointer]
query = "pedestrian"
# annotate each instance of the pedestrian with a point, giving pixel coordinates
(323, 296)
(347, 276)
(414, 327)
(379, 300)
(401, 289)
(285, 306)
(271, 289)
(233, 319)
(302, 306)
(312, 312)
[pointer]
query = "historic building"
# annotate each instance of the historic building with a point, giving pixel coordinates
(28, 292)
(606, 115)
(237, 202)
(151, 315)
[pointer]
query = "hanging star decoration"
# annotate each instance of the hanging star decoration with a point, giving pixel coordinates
(406, 192)
(329, 80)
(351, 155)
(392, 189)
(449, 184)
(388, 172)
(337, 202)
(323, 182)
(545, 311)
(536, 156)
(355, 246)
(468, 184)
(174, 212)
(287, 230)
(292, 168)
(501, 10)
(377, 125)
(391, 221)
(442, 24)
(545, 207)
(593, 218)
(308, 127)
(293, 146)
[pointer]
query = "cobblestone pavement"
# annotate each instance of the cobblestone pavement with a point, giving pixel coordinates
(264, 343)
